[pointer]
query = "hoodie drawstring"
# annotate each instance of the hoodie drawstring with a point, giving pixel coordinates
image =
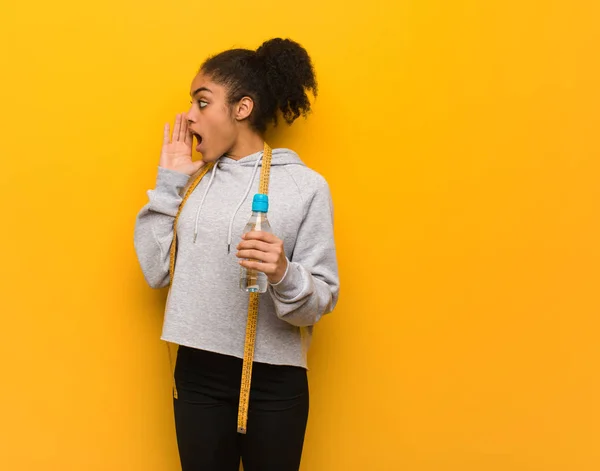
(212, 177)
(229, 234)
(248, 188)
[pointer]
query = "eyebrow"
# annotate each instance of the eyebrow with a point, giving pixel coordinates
(201, 89)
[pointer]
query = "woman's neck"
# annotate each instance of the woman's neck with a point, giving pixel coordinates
(248, 142)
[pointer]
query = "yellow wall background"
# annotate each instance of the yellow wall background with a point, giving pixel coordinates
(460, 140)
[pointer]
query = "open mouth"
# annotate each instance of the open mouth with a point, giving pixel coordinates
(198, 139)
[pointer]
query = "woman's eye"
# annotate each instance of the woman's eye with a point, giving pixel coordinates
(201, 104)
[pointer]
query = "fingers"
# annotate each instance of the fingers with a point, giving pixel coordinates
(184, 129)
(261, 235)
(255, 244)
(181, 131)
(266, 268)
(166, 135)
(264, 257)
(189, 137)
(177, 128)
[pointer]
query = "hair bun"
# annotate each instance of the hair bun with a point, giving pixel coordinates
(289, 73)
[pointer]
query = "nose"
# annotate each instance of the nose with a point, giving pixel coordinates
(189, 116)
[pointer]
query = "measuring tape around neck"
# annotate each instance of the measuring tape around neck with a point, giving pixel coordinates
(250, 340)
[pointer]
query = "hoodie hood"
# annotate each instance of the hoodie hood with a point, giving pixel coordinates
(279, 156)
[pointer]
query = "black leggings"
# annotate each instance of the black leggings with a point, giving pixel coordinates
(208, 386)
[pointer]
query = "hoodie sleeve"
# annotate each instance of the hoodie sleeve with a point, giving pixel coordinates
(309, 289)
(154, 226)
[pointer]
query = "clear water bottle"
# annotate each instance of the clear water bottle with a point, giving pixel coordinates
(253, 281)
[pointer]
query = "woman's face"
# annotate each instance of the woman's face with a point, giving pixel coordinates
(210, 118)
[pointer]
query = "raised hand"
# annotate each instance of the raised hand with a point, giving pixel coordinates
(177, 150)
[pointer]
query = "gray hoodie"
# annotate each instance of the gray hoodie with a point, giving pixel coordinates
(206, 308)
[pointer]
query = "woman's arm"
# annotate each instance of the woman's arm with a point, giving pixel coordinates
(310, 287)
(154, 226)
(305, 286)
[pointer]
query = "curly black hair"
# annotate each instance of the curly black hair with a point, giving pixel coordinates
(276, 76)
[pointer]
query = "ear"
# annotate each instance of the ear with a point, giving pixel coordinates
(244, 108)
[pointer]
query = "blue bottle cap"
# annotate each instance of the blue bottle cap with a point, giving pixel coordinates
(260, 203)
